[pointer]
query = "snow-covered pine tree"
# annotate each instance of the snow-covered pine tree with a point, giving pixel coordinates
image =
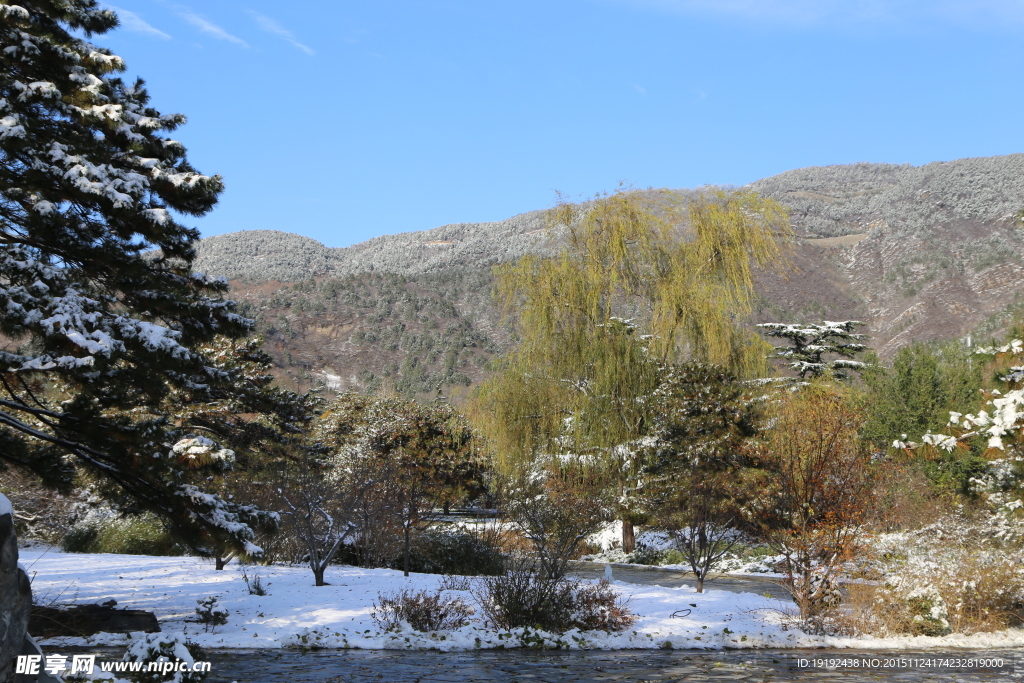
(261, 424)
(811, 344)
(100, 309)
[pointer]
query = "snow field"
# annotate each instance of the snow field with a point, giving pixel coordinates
(298, 614)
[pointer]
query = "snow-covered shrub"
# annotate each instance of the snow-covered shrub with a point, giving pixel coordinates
(647, 554)
(166, 647)
(600, 608)
(448, 552)
(522, 597)
(959, 575)
(958, 592)
(1002, 487)
(422, 610)
(823, 586)
(104, 531)
(753, 558)
(455, 582)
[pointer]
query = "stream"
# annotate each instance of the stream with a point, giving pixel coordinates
(614, 666)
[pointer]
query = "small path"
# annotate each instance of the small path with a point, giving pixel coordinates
(672, 578)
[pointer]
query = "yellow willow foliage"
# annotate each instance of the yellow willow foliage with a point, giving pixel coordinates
(646, 277)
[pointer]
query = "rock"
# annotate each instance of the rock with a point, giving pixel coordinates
(15, 594)
(31, 648)
(85, 620)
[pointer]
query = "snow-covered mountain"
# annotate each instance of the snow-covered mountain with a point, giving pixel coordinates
(918, 252)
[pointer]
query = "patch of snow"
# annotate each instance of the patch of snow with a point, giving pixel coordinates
(297, 614)
(332, 381)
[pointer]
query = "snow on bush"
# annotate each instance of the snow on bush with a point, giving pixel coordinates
(421, 611)
(165, 647)
(523, 598)
(955, 576)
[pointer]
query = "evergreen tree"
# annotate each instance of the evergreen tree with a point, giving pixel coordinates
(700, 471)
(811, 344)
(916, 395)
(263, 425)
(100, 309)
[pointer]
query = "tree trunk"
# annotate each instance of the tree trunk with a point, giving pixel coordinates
(700, 583)
(223, 561)
(318, 575)
(407, 530)
(628, 539)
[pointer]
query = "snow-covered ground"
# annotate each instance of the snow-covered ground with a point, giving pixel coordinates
(296, 613)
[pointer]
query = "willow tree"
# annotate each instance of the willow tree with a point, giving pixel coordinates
(645, 279)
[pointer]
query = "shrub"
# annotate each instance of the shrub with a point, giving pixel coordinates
(208, 616)
(599, 608)
(254, 583)
(455, 582)
(555, 511)
(423, 611)
(165, 647)
(447, 552)
(970, 593)
(107, 533)
(934, 591)
(81, 538)
(645, 554)
(522, 597)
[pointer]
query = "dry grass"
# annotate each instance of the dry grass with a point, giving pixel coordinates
(975, 592)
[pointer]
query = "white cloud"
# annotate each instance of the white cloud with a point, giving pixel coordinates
(274, 28)
(130, 21)
(814, 12)
(209, 27)
(640, 89)
(981, 11)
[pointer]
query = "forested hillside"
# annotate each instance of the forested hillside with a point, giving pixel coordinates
(919, 253)
(407, 333)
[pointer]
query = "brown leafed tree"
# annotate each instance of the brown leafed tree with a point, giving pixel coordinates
(424, 456)
(556, 508)
(818, 491)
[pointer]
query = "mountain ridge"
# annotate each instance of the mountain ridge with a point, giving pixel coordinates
(917, 252)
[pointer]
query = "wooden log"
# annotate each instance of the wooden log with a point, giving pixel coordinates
(85, 620)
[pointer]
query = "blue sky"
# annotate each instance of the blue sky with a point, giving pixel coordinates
(346, 120)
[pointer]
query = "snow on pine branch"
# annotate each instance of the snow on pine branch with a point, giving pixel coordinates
(810, 344)
(203, 450)
(1002, 420)
(235, 519)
